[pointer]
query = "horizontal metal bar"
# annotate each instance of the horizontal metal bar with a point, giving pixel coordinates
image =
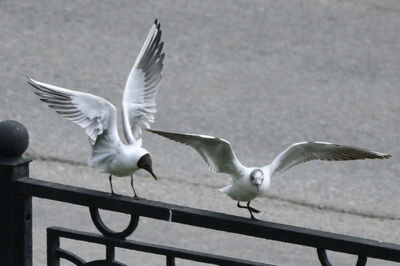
(211, 220)
(150, 248)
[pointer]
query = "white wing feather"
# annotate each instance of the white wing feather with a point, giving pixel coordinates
(139, 101)
(217, 152)
(306, 151)
(93, 113)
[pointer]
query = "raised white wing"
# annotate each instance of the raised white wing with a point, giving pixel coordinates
(91, 112)
(306, 151)
(139, 101)
(217, 152)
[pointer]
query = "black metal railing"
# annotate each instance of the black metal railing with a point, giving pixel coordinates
(16, 190)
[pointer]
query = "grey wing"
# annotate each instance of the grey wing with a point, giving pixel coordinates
(139, 101)
(91, 112)
(306, 151)
(217, 152)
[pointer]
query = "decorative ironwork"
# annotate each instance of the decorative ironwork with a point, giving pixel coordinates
(323, 258)
(55, 233)
(69, 256)
(17, 190)
(217, 221)
(98, 222)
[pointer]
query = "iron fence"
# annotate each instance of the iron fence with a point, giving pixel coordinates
(17, 190)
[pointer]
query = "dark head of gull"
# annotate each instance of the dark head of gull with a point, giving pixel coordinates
(257, 177)
(146, 164)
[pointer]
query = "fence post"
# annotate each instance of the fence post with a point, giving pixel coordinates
(15, 209)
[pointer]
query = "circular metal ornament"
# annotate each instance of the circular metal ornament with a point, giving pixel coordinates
(100, 225)
(323, 258)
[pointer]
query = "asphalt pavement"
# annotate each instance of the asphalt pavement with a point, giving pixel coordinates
(261, 74)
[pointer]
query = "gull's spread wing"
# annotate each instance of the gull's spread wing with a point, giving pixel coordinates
(217, 152)
(91, 112)
(306, 151)
(139, 101)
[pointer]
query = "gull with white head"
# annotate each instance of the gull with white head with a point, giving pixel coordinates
(251, 182)
(99, 117)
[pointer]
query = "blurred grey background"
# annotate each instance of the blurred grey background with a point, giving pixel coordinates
(261, 74)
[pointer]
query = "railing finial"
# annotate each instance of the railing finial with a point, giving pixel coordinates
(14, 139)
(16, 229)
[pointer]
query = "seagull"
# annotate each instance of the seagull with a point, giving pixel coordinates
(99, 117)
(251, 182)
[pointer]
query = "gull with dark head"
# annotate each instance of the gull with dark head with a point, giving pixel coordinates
(251, 182)
(99, 117)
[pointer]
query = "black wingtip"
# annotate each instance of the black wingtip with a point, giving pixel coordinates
(148, 129)
(378, 155)
(30, 81)
(151, 130)
(386, 156)
(160, 133)
(157, 23)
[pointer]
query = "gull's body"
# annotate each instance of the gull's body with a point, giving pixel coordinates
(99, 117)
(251, 182)
(242, 189)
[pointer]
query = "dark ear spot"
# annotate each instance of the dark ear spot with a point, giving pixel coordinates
(253, 173)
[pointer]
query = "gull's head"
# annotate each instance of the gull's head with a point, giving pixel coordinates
(256, 178)
(146, 164)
